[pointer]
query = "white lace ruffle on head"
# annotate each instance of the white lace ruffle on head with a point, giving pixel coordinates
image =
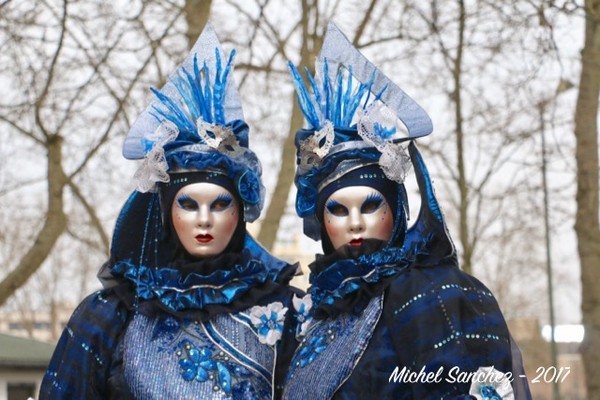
(154, 167)
(394, 161)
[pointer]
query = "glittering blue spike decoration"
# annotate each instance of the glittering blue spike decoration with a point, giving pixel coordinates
(200, 87)
(198, 99)
(336, 102)
(196, 123)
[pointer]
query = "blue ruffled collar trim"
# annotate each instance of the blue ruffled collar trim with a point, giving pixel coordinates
(346, 277)
(196, 291)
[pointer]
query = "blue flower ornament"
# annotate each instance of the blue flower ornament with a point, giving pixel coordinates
(490, 384)
(198, 365)
(205, 365)
(303, 306)
(268, 322)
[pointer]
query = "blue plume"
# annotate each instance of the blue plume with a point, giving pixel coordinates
(207, 94)
(194, 81)
(355, 102)
(218, 89)
(185, 92)
(346, 98)
(314, 88)
(304, 99)
(176, 115)
(370, 83)
(195, 104)
(335, 102)
(337, 111)
(381, 92)
(327, 89)
(220, 110)
(197, 99)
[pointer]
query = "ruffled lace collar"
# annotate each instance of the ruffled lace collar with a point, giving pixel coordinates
(346, 280)
(200, 285)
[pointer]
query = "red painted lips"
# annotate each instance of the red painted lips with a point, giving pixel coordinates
(356, 242)
(204, 238)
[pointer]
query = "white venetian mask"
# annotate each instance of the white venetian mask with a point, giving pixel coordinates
(205, 217)
(355, 213)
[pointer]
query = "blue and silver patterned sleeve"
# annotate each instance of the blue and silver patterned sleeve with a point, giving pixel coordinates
(81, 364)
(443, 320)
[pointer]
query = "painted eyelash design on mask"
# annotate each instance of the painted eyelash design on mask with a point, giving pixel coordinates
(373, 199)
(223, 197)
(335, 208)
(185, 202)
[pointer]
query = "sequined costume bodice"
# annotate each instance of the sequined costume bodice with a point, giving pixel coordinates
(328, 354)
(168, 358)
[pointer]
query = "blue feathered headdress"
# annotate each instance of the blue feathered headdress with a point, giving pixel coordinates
(356, 117)
(196, 123)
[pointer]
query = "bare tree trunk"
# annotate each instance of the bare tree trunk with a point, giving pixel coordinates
(197, 13)
(54, 226)
(463, 188)
(55, 327)
(586, 222)
(285, 179)
(270, 225)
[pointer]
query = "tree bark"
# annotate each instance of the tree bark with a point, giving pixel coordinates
(285, 179)
(463, 188)
(54, 226)
(197, 13)
(586, 221)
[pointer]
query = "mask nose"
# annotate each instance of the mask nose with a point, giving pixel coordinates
(357, 223)
(204, 219)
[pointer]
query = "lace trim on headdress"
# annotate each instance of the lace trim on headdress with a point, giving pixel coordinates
(224, 140)
(154, 167)
(394, 161)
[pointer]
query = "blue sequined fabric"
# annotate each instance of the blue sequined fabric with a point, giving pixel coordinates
(433, 318)
(173, 359)
(329, 352)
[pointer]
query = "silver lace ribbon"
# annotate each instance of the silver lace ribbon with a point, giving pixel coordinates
(394, 161)
(154, 167)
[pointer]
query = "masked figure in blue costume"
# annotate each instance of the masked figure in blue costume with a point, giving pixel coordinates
(389, 314)
(192, 306)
